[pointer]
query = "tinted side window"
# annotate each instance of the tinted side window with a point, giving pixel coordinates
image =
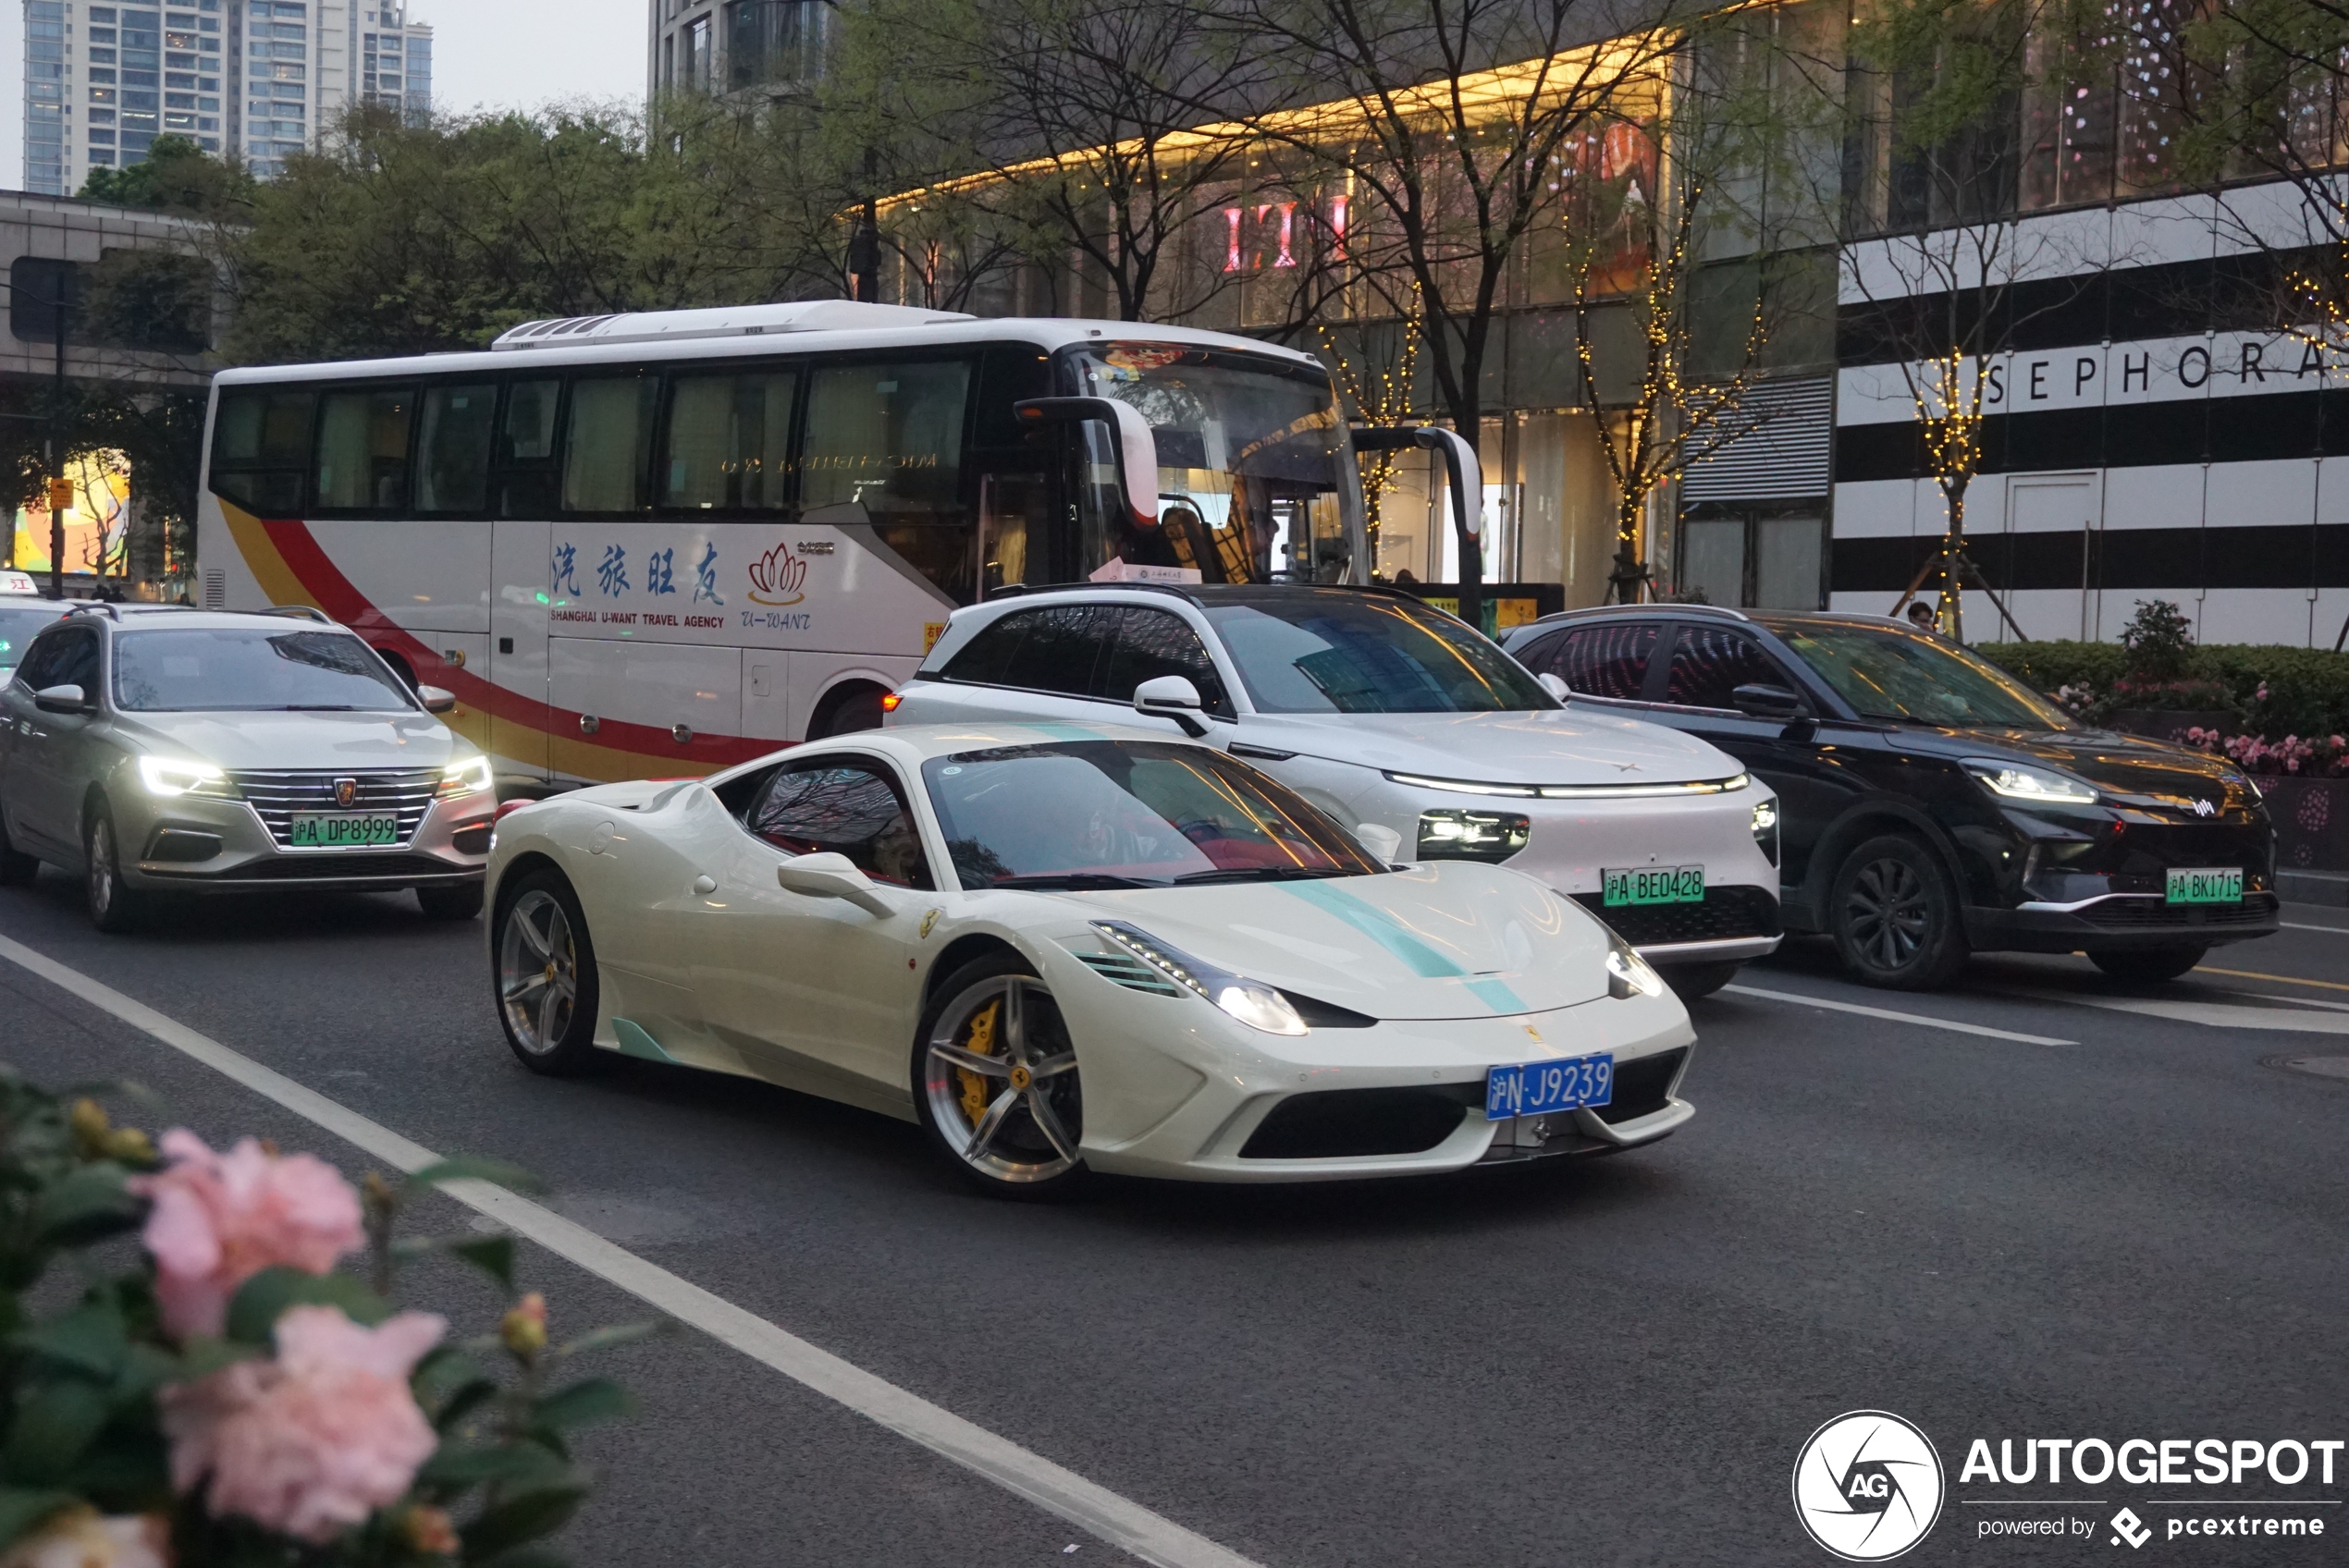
(728, 441)
(453, 459)
(362, 450)
(1709, 663)
(843, 807)
(1598, 661)
(43, 660)
(261, 449)
(1154, 643)
(888, 439)
(605, 447)
(525, 448)
(1048, 650)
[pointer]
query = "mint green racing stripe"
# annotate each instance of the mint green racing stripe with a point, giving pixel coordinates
(1498, 997)
(1389, 933)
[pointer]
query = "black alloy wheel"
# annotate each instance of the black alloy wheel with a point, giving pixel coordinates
(1894, 914)
(2150, 966)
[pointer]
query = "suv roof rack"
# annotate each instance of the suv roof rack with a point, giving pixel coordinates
(1722, 610)
(111, 613)
(304, 612)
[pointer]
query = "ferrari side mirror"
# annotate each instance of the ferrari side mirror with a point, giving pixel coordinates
(833, 876)
(1384, 844)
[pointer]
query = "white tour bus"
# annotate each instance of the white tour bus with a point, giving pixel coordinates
(657, 544)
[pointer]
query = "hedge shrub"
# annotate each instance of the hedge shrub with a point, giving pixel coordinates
(2306, 690)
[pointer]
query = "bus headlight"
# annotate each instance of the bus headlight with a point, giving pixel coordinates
(470, 776)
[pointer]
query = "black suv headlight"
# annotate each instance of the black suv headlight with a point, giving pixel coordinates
(1766, 828)
(1473, 834)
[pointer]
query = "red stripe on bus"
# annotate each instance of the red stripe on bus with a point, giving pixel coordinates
(338, 597)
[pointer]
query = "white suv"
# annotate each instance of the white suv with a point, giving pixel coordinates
(1391, 714)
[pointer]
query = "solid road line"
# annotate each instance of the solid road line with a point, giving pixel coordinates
(1095, 1509)
(1917, 1018)
(2258, 974)
(2298, 925)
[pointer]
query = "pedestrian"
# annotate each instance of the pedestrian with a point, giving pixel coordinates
(1921, 614)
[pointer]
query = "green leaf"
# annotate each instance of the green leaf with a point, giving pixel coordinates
(582, 1405)
(494, 1255)
(87, 1205)
(524, 1466)
(92, 1338)
(463, 1403)
(22, 1508)
(618, 1334)
(464, 1169)
(520, 1520)
(55, 1422)
(263, 1299)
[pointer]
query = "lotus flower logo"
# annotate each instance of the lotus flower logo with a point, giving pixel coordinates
(777, 577)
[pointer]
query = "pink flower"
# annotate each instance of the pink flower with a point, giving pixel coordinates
(80, 1539)
(311, 1442)
(220, 1218)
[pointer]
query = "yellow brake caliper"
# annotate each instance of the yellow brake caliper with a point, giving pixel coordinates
(982, 1043)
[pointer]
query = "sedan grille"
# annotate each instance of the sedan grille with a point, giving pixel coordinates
(276, 796)
(1725, 914)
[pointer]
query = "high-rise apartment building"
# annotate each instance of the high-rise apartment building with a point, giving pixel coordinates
(734, 45)
(258, 78)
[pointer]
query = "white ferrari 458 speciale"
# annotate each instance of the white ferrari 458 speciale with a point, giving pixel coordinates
(1070, 946)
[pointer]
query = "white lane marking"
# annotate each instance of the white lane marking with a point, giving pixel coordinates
(2210, 1015)
(1096, 1509)
(1917, 1018)
(2287, 1001)
(2296, 925)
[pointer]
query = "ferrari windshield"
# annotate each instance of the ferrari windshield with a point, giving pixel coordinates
(1256, 474)
(1339, 651)
(237, 669)
(1127, 813)
(1886, 672)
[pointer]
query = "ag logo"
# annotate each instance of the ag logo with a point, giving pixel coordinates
(1867, 1486)
(777, 577)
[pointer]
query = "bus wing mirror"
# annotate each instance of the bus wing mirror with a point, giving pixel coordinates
(1136, 446)
(1171, 697)
(1461, 471)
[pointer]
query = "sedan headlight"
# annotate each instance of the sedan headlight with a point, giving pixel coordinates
(170, 776)
(470, 776)
(1628, 975)
(1766, 828)
(2041, 786)
(1473, 834)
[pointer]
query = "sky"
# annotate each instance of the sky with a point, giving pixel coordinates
(486, 53)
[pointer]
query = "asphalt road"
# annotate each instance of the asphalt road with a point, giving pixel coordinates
(2138, 1232)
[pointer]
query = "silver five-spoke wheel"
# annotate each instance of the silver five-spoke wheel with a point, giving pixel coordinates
(999, 1076)
(538, 973)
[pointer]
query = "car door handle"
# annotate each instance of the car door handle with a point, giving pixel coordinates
(704, 885)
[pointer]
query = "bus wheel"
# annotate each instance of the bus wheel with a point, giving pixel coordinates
(848, 710)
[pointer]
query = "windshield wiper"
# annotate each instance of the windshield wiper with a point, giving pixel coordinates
(1074, 879)
(1264, 874)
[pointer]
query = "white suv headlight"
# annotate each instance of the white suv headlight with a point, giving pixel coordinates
(167, 775)
(2042, 785)
(470, 776)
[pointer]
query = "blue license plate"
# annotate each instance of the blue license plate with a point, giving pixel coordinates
(1541, 1087)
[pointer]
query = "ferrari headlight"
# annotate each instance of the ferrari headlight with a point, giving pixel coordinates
(2039, 785)
(169, 775)
(470, 776)
(1260, 1007)
(1627, 974)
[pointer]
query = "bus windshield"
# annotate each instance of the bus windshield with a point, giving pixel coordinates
(1256, 474)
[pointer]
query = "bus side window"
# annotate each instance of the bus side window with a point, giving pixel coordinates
(728, 441)
(607, 442)
(525, 448)
(452, 458)
(889, 438)
(260, 448)
(362, 450)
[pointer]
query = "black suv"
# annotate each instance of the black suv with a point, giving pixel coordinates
(1932, 803)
